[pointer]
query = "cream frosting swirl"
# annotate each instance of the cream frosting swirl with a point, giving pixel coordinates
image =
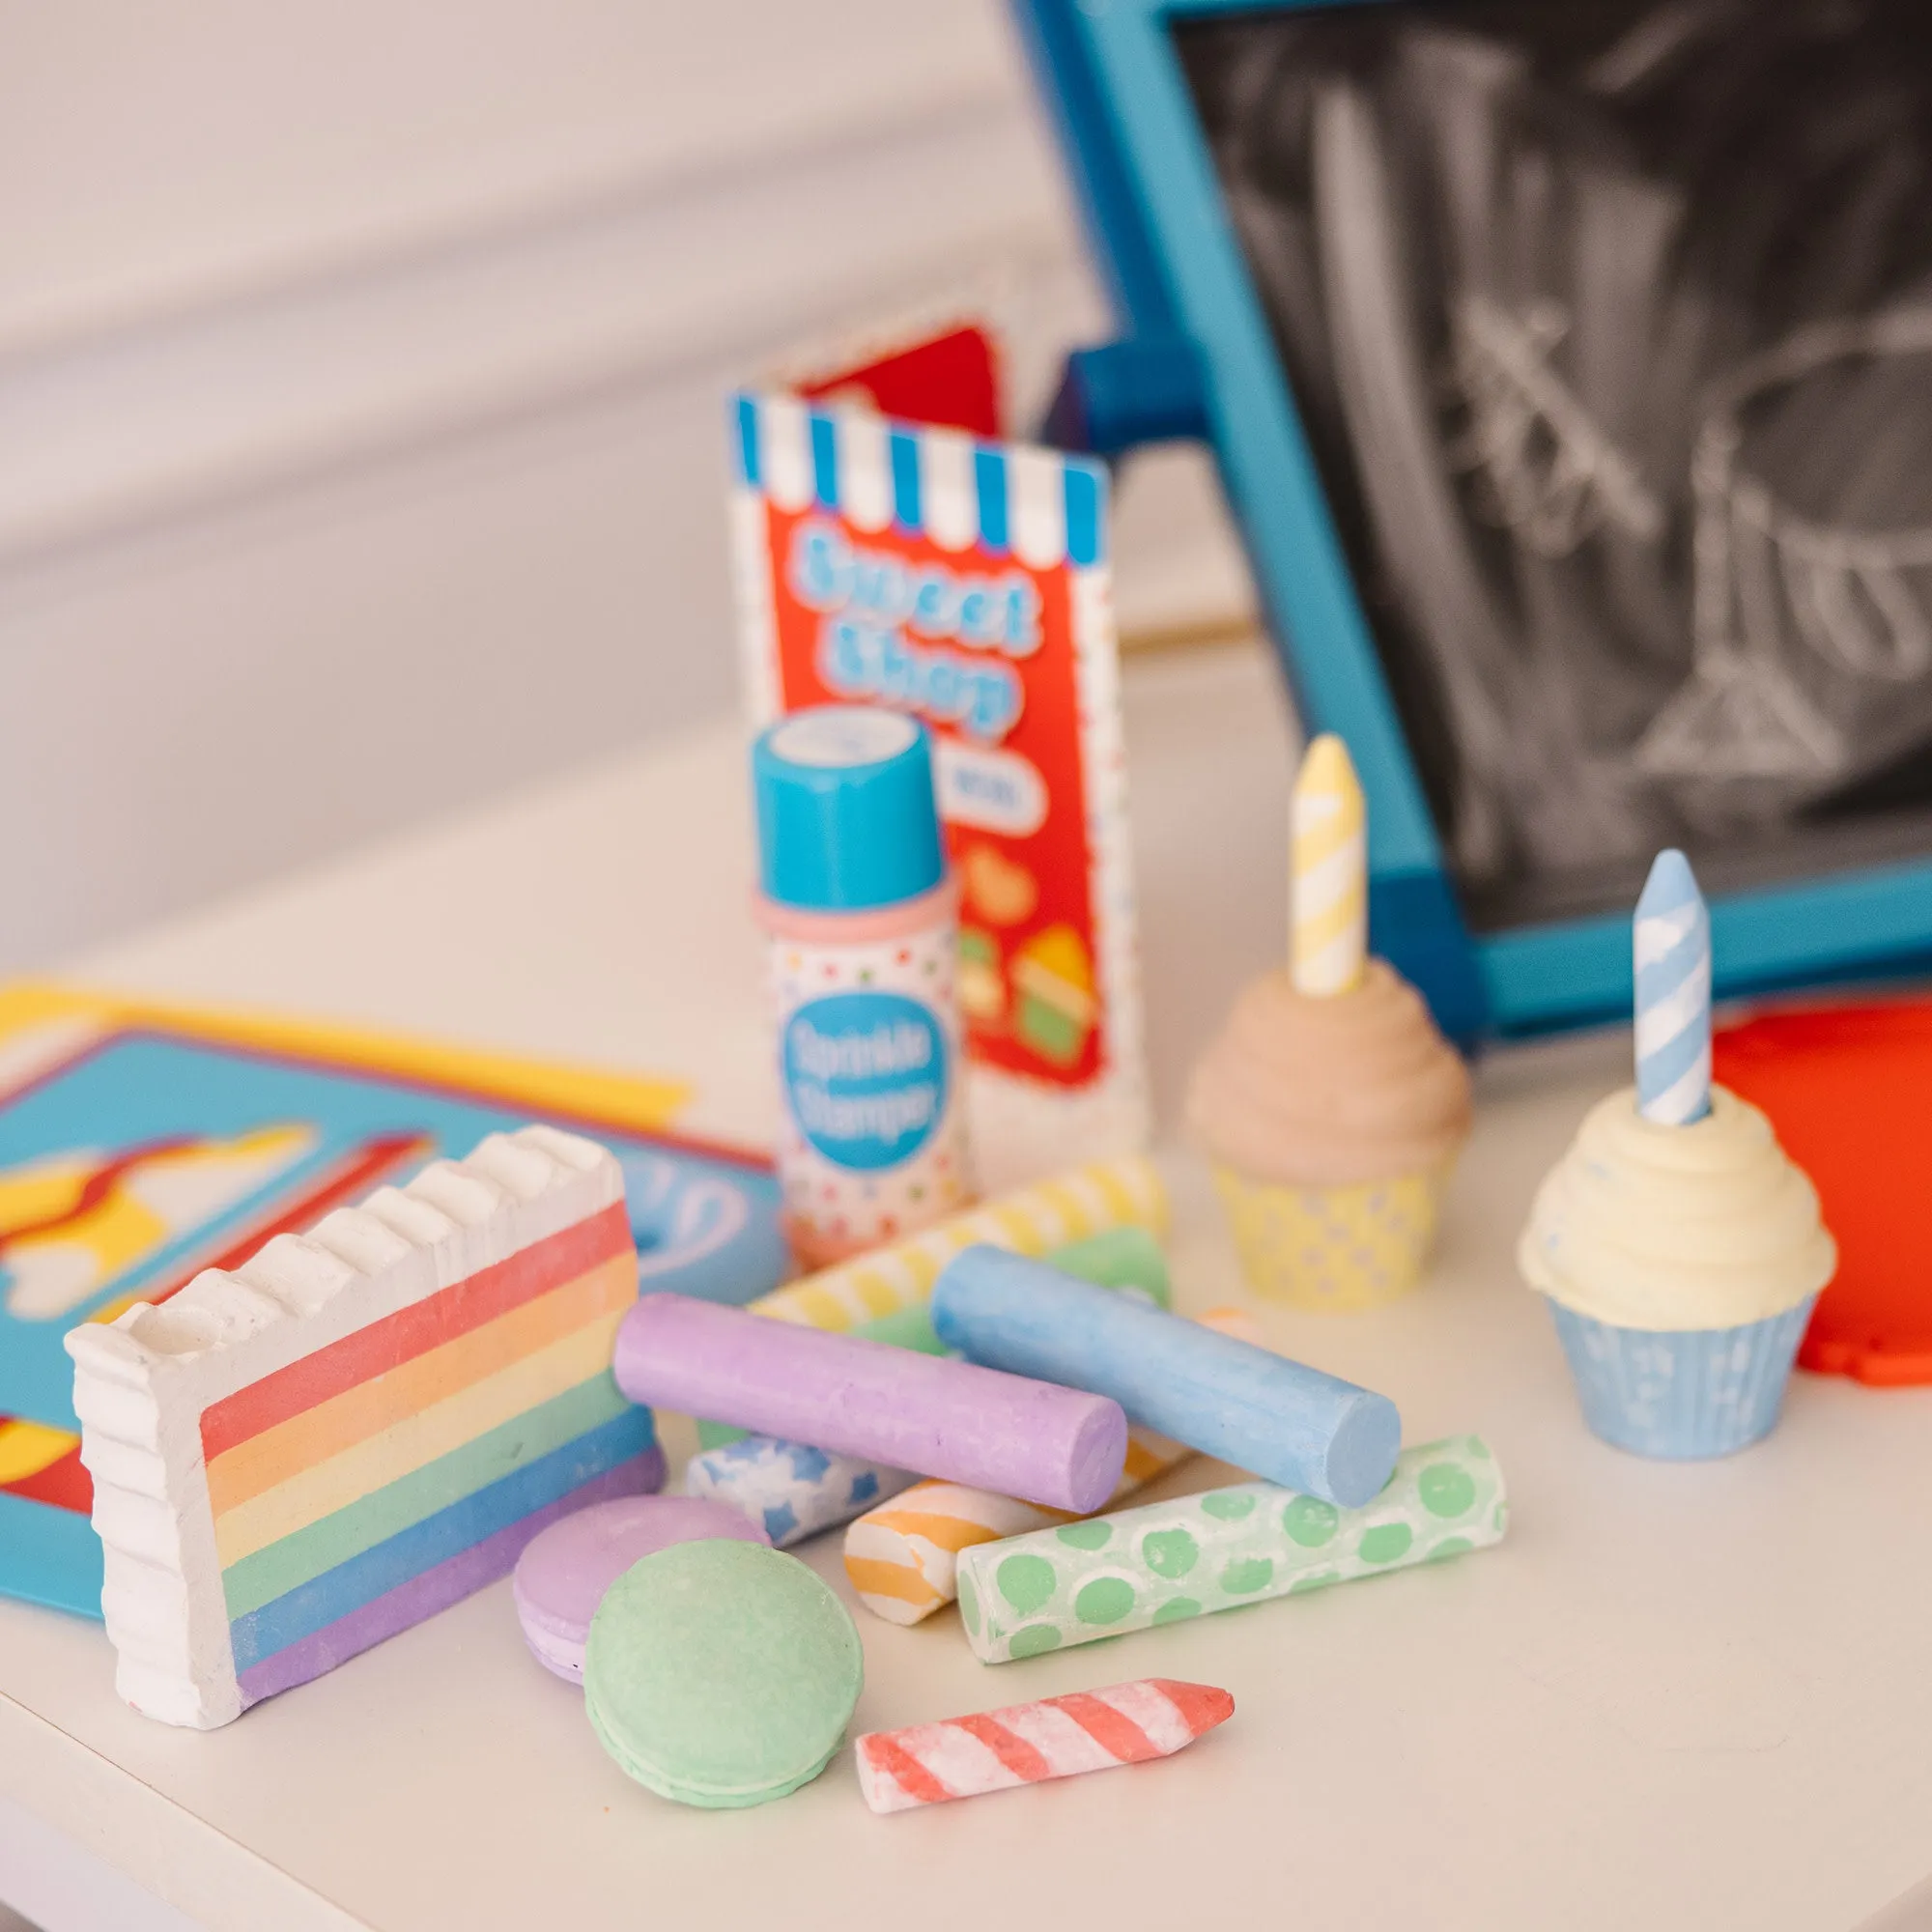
(1329, 1091)
(1710, 1225)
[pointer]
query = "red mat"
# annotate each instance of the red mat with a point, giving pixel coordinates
(1849, 1090)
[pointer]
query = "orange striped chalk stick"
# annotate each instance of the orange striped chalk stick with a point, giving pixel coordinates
(1028, 1744)
(1082, 1201)
(901, 1557)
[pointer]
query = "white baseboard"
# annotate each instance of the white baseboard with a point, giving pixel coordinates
(179, 411)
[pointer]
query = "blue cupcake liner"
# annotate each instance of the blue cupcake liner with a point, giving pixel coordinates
(1681, 1393)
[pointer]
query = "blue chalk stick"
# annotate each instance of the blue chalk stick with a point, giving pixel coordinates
(1285, 1422)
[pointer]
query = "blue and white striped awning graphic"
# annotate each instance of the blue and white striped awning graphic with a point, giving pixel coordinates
(1008, 499)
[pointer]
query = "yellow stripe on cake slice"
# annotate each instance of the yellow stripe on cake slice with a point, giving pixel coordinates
(414, 1440)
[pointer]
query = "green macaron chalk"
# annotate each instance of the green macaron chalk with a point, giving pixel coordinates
(721, 1674)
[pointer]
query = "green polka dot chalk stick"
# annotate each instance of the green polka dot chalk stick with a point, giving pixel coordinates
(1166, 1562)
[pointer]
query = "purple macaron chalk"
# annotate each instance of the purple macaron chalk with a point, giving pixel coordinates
(565, 1572)
(1055, 1446)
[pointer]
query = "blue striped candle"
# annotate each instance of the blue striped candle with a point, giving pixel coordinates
(1672, 955)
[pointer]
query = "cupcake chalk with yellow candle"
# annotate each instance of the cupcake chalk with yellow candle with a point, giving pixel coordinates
(1330, 1107)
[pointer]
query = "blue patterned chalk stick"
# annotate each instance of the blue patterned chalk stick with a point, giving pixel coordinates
(794, 1491)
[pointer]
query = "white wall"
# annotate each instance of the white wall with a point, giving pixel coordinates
(360, 365)
(153, 159)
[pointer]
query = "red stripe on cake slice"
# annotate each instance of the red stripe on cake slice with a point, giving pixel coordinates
(413, 1330)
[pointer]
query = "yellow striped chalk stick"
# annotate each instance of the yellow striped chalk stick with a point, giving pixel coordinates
(901, 1557)
(1329, 895)
(1082, 1201)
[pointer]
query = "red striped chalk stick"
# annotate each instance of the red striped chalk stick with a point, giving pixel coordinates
(1028, 1744)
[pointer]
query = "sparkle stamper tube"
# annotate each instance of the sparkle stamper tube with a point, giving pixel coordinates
(861, 912)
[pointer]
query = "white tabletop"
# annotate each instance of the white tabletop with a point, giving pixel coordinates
(1675, 1697)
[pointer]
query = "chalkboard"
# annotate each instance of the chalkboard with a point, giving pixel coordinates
(1609, 325)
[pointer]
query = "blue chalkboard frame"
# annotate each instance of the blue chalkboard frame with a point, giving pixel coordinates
(1139, 163)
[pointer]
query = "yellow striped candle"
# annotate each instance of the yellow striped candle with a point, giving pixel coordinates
(1082, 1201)
(1329, 904)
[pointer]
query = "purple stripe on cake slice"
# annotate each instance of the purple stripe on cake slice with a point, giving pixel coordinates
(437, 1589)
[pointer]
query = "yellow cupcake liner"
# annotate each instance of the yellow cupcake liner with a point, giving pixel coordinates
(1348, 1247)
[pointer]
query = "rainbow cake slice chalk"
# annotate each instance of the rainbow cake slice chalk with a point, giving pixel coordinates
(359, 1426)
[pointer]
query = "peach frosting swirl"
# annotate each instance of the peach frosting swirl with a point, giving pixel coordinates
(1326, 1093)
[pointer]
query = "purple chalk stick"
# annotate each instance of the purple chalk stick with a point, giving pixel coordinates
(982, 1427)
(562, 1574)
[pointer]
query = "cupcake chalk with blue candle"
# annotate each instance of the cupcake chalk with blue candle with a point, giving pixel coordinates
(1680, 1247)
